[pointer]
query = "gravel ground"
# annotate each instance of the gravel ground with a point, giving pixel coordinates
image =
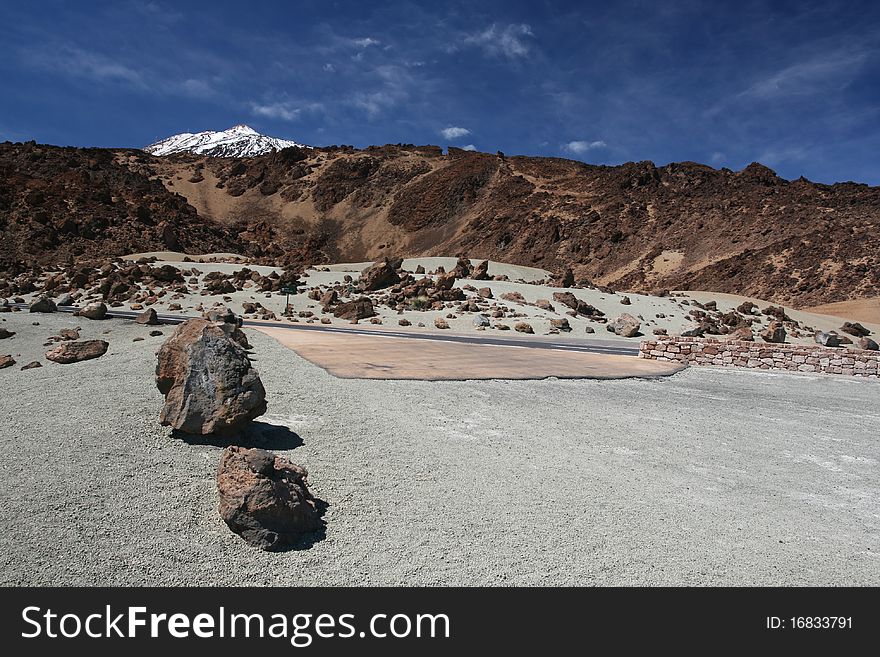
(711, 477)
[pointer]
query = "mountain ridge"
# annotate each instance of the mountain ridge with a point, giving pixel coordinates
(634, 227)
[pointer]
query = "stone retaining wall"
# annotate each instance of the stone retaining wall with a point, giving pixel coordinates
(763, 355)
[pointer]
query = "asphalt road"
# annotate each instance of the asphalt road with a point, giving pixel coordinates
(594, 346)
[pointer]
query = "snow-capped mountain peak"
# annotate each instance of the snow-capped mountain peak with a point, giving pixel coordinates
(239, 141)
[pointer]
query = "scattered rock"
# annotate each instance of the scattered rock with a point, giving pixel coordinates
(481, 271)
(74, 352)
(560, 324)
(6, 361)
(154, 334)
(377, 276)
(746, 308)
(515, 297)
(485, 292)
(43, 305)
(867, 343)
(4, 334)
(353, 310)
(68, 334)
(207, 379)
(265, 498)
(403, 321)
(64, 300)
(693, 332)
(775, 332)
(32, 365)
(441, 323)
(659, 331)
(625, 301)
(827, 339)
(148, 317)
(544, 304)
(96, 310)
(743, 333)
(625, 326)
(589, 329)
(481, 320)
(855, 329)
(523, 327)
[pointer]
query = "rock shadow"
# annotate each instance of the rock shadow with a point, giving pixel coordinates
(306, 541)
(255, 434)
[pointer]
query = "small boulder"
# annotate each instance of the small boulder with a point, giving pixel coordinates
(64, 300)
(265, 498)
(32, 365)
(6, 361)
(377, 276)
(148, 317)
(625, 326)
(692, 332)
(403, 321)
(43, 305)
(544, 304)
(4, 333)
(560, 324)
(867, 343)
(481, 271)
(354, 310)
(96, 310)
(855, 329)
(827, 339)
(485, 292)
(775, 332)
(746, 308)
(743, 333)
(481, 320)
(523, 327)
(74, 352)
(441, 323)
(625, 301)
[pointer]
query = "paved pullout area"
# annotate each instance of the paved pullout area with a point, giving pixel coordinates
(379, 357)
(708, 477)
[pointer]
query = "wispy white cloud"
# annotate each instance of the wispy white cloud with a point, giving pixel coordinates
(509, 41)
(73, 61)
(469, 147)
(579, 147)
(829, 71)
(366, 42)
(454, 132)
(283, 111)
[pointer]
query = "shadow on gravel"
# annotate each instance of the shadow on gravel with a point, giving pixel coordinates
(308, 540)
(257, 434)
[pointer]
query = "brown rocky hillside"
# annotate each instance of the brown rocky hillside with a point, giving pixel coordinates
(631, 227)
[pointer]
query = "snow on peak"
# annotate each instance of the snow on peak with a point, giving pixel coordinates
(239, 141)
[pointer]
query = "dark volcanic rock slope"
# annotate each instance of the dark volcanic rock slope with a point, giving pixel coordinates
(632, 227)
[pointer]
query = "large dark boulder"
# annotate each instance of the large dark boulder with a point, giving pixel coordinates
(357, 309)
(207, 379)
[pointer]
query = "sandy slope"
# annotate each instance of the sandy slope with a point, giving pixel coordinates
(647, 308)
(863, 310)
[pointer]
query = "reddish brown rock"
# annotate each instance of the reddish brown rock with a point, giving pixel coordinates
(441, 323)
(74, 352)
(354, 310)
(6, 361)
(523, 327)
(855, 329)
(481, 271)
(775, 332)
(377, 276)
(743, 333)
(265, 498)
(207, 379)
(32, 365)
(867, 343)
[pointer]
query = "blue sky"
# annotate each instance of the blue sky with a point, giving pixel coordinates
(794, 85)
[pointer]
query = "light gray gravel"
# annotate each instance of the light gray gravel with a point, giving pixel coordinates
(711, 477)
